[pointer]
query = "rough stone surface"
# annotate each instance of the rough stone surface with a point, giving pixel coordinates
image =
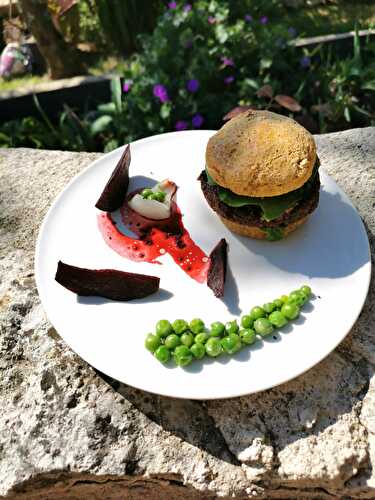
(68, 432)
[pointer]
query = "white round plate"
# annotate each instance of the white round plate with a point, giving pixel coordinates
(330, 253)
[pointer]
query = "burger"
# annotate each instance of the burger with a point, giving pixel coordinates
(261, 175)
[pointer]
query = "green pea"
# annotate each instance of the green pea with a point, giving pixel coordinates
(248, 336)
(284, 298)
(187, 339)
(228, 344)
(278, 303)
(257, 312)
(277, 319)
(163, 328)
(172, 341)
(159, 196)
(196, 325)
(201, 338)
(183, 355)
(306, 290)
(231, 343)
(217, 329)
(162, 354)
(147, 192)
(290, 311)
(152, 342)
(180, 326)
(231, 327)
(296, 297)
(246, 321)
(263, 326)
(198, 350)
(153, 196)
(213, 347)
(269, 307)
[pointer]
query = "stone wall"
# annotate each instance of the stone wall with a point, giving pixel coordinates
(68, 432)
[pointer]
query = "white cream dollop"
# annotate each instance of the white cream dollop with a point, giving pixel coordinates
(153, 209)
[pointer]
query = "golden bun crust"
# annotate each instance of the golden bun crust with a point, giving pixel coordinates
(259, 153)
(256, 232)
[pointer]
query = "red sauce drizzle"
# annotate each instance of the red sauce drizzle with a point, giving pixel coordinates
(187, 255)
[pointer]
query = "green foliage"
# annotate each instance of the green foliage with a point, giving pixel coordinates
(230, 60)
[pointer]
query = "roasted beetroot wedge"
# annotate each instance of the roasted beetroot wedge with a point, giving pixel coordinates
(109, 283)
(218, 268)
(115, 190)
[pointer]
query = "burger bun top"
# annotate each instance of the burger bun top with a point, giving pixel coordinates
(260, 153)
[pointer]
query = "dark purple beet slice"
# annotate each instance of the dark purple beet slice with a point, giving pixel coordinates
(218, 268)
(141, 225)
(115, 190)
(109, 283)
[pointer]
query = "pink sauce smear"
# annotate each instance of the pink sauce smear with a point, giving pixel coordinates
(187, 255)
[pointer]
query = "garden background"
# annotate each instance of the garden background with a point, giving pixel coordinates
(177, 65)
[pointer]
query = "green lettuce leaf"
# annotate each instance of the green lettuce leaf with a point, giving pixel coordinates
(274, 233)
(272, 207)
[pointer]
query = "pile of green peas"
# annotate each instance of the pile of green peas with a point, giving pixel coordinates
(149, 194)
(185, 342)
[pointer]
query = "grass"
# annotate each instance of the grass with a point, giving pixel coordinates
(21, 82)
(104, 65)
(324, 20)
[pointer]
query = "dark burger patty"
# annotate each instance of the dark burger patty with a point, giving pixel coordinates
(251, 215)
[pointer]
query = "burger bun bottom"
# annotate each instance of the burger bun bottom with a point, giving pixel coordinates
(257, 232)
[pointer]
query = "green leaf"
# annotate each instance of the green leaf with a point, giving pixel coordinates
(250, 82)
(265, 63)
(111, 145)
(100, 124)
(116, 93)
(357, 46)
(165, 110)
(368, 85)
(109, 108)
(5, 138)
(210, 180)
(347, 114)
(221, 33)
(355, 71)
(274, 233)
(272, 207)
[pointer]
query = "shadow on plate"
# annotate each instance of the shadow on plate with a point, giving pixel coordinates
(231, 296)
(331, 244)
(160, 296)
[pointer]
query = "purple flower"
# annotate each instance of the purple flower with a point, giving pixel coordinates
(181, 125)
(160, 92)
(248, 18)
(127, 85)
(172, 5)
(211, 20)
(229, 79)
(305, 61)
(292, 31)
(192, 85)
(187, 7)
(263, 20)
(197, 120)
(227, 61)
